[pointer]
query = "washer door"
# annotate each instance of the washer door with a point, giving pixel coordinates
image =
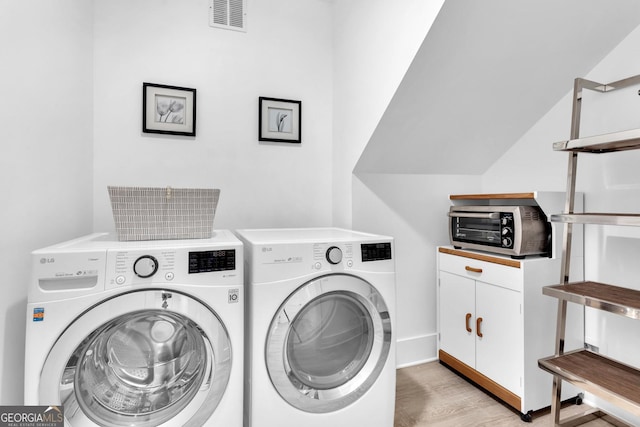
(140, 359)
(328, 343)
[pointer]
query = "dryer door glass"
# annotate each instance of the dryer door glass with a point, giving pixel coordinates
(328, 343)
(140, 359)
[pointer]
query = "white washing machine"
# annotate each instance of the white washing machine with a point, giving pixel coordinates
(137, 333)
(320, 338)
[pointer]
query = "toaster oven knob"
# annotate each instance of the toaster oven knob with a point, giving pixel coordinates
(506, 242)
(334, 255)
(506, 230)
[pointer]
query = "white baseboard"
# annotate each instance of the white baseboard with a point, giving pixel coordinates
(416, 350)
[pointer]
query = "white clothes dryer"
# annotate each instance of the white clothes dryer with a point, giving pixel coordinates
(137, 333)
(319, 332)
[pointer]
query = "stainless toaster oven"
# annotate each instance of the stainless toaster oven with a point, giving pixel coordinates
(511, 230)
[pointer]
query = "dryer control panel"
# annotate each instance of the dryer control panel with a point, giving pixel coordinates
(333, 253)
(279, 261)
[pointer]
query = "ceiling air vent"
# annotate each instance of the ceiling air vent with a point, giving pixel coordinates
(228, 14)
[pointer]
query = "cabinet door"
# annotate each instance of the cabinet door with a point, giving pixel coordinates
(457, 302)
(499, 350)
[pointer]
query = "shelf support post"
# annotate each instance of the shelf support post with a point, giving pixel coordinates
(556, 398)
(571, 181)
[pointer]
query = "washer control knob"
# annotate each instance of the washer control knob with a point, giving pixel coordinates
(334, 255)
(145, 266)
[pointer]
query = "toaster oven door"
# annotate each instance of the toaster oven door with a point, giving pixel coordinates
(483, 228)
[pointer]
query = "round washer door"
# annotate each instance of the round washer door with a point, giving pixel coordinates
(140, 359)
(328, 343)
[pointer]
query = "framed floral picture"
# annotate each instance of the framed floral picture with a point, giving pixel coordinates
(279, 120)
(168, 109)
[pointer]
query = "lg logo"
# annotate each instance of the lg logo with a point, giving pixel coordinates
(47, 260)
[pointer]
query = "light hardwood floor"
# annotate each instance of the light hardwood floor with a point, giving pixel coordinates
(432, 395)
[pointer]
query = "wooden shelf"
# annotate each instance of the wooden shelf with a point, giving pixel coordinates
(497, 196)
(605, 378)
(613, 299)
(618, 141)
(481, 257)
(598, 218)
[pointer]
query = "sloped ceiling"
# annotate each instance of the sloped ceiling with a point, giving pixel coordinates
(485, 73)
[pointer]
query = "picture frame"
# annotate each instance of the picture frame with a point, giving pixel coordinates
(279, 120)
(168, 109)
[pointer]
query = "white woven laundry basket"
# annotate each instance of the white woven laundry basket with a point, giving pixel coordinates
(156, 213)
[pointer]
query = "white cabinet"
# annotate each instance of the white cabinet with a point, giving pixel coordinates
(458, 295)
(493, 323)
(488, 339)
(499, 343)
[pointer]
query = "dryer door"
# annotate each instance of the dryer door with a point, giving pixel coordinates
(328, 343)
(140, 359)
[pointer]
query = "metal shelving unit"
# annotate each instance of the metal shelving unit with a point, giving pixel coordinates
(606, 378)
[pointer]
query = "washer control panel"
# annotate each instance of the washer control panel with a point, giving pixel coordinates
(170, 265)
(209, 261)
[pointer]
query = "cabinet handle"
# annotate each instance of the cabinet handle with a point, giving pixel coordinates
(478, 322)
(466, 323)
(473, 269)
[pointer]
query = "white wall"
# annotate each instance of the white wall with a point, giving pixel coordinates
(285, 53)
(412, 208)
(45, 166)
(374, 45)
(531, 164)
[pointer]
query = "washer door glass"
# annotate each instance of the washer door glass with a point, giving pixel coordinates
(328, 343)
(142, 366)
(140, 363)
